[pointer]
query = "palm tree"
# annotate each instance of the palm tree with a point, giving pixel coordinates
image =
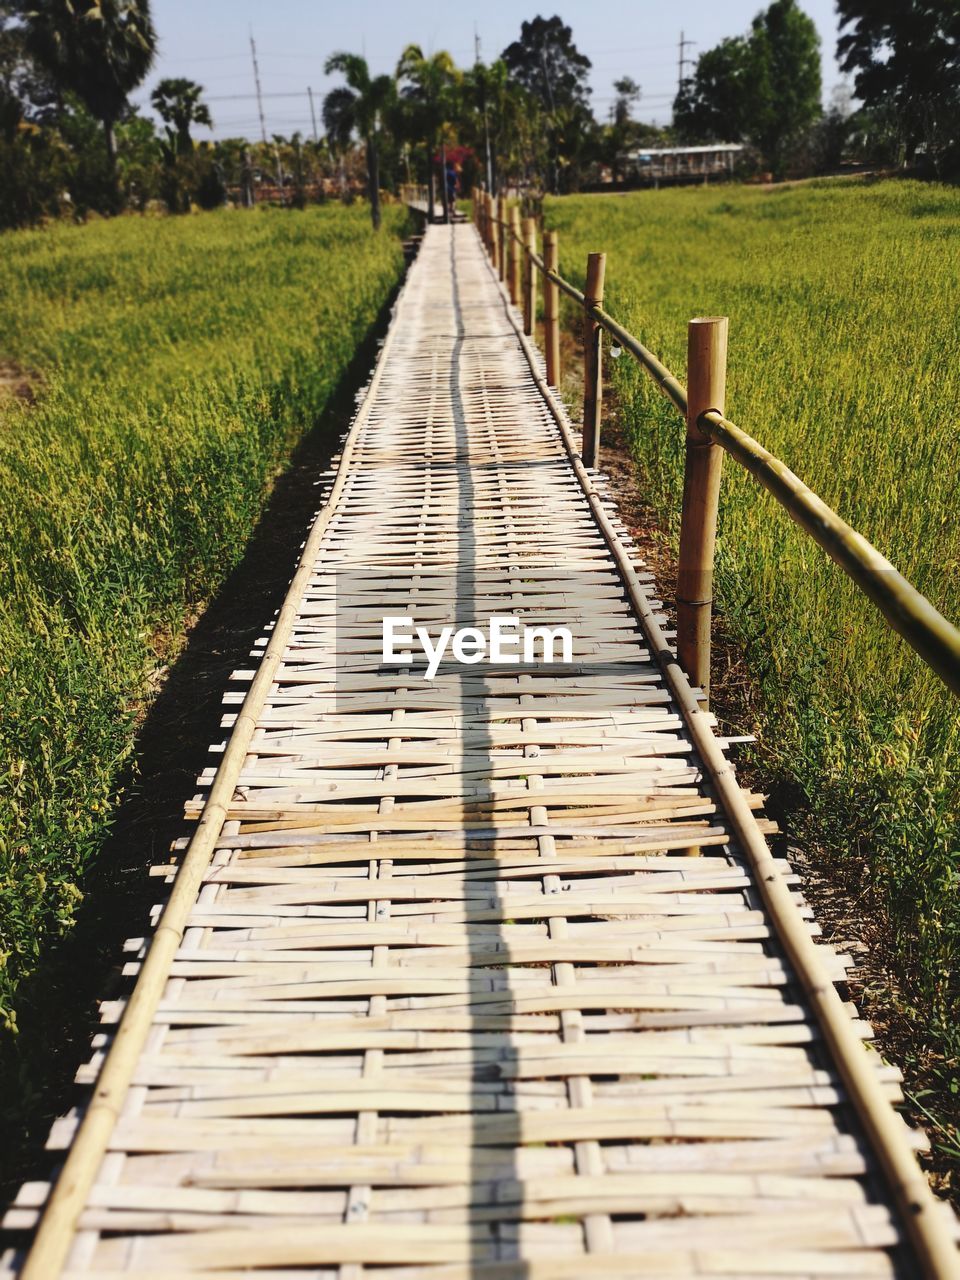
(98, 49)
(360, 106)
(177, 102)
(431, 92)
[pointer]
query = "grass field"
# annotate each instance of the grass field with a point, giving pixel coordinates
(844, 306)
(177, 361)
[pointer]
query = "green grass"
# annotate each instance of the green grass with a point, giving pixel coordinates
(180, 361)
(844, 306)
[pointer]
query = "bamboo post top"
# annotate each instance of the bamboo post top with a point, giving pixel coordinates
(596, 271)
(706, 368)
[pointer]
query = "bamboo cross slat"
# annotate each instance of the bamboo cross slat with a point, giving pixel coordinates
(440, 988)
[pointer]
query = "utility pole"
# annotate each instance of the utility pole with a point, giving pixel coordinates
(486, 121)
(256, 81)
(313, 117)
(683, 61)
(263, 123)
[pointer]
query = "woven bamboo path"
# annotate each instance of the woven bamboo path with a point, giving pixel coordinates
(454, 999)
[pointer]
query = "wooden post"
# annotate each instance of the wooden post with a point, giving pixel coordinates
(504, 235)
(494, 233)
(706, 384)
(530, 279)
(551, 309)
(592, 371)
(516, 294)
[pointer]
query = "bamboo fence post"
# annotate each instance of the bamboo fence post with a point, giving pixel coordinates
(504, 235)
(551, 309)
(516, 292)
(530, 279)
(494, 233)
(706, 384)
(592, 362)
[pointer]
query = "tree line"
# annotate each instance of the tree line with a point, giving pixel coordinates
(71, 142)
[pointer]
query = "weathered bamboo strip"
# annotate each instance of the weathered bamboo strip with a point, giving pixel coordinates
(495, 1015)
(921, 1213)
(49, 1249)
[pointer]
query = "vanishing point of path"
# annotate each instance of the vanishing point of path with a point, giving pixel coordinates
(475, 984)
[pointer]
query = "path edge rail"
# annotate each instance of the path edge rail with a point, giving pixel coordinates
(58, 1223)
(926, 1219)
(905, 609)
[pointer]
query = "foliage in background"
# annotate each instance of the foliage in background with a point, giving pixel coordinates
(522, 121)
(762, 88)
(362, 105)
(905, 58)
(179, 363)
(817, 281)
(99, 50)
(547, 65)
(430, 100)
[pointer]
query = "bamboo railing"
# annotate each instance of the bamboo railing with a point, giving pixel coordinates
(709, 435)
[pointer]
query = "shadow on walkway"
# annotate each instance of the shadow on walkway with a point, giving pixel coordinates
(58, 1004)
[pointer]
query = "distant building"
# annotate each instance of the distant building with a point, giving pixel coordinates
(680, 164)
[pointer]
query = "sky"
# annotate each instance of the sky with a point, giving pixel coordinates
(209, 41)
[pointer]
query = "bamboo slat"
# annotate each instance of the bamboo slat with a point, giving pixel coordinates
(437, 991)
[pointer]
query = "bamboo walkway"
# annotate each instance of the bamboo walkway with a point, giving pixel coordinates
(454, 999)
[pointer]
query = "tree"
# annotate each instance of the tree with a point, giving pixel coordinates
(360, 106)
(177, 103)
(98, 49)
(618, 137)
(547, 63)
(26, 92)
(430, 90)
(905, 56)
(786, 83)
(502, 120)
(549, 66)
(763, 87)
(714, 104)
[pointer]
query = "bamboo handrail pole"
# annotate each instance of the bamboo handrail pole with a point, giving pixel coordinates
(908, 612)
(494, 235)
(502, 221)
(924, 1217)
(592, 359)
(516, 295)
(529, 276)
(551, 305)
(703, 460)
(58, 1223)
(665, 380)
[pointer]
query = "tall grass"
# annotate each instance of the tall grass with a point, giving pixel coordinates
(844, 306)
(179, 361)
